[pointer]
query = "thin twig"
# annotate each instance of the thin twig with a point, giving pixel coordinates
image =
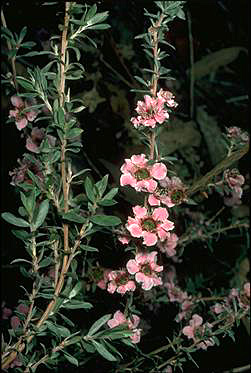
(202, 183)
(13, 59)
(239, 369)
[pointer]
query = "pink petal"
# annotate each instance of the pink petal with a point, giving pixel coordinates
(22, 123)
(135, 230)
(139, 211)
(139, 160)
(119, 317)
(15, 322)
(197, 320)
(111, 288)
(150, 239)
(188, 331)
(31, 115)
(127, 179)
(160, 213)
(159, 171)
(17, 101)
(130, 286)
(135, 337)
(132, 266)
(31, 146)
(153, 201)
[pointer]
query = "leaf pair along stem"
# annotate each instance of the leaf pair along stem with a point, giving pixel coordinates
(20, 345)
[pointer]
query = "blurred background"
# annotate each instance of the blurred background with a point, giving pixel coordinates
(214, 38)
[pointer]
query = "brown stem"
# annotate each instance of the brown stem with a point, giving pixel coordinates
(13, 59)
(19, 346)
(203, 181)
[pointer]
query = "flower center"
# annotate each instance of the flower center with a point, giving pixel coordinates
(146, 269)
(122, 279)
(148, 225)
(177, 196)
(142, 174)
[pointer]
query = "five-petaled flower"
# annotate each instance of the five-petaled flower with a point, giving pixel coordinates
(145, 269)
(196, 331)
(22, 118)
(140, 175)
(149, 226)
(150, 112)
(119, 281)
(132, 323)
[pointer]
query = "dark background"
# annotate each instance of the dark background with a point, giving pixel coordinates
(215, 25)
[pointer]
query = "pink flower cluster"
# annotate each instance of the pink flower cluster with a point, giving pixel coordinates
(132, 323)
(196, 330)
(21, 118)
(152, 111)
(149, 226)
(145, 269)
(237, 134)
(140, 175)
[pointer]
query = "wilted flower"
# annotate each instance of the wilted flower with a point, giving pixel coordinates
(119, 281)
(236, 133)
(37, 136)
(21, 117)
(145, 269)
(168, 246)
(171, 192)
(168, 98)
(142, 176)
(20, 175)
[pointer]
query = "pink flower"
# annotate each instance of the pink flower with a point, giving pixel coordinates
(103, 282)
(186, 307)
(168, 246)
(132, 323)
(15, 322)
(21, 117)
(124, 239)
(196, 330)
(23, 309)
(151, 111)
(20, 175)
(175, 294)
(167, 97)
(145, 269)
(150, 227)
(217, 308)
(137, 173)
(236, 133)
(119, 281)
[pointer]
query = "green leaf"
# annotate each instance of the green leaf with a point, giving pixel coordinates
(20, 260)
(103, 351)
(26, 84)
(106, 220)
(42, 213)
(60, 116)
(22, 235)
(111, 194)
(75, 304)
(12, 219)
(45, 262)
(72, 216)
(75, 290)
(70, 358)
(107, 202)
(88, 248)
(91, 12)
(89, 189)
(102, 26)
(102, 185)
(97, 325)
(74, 132)
(141, 80)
